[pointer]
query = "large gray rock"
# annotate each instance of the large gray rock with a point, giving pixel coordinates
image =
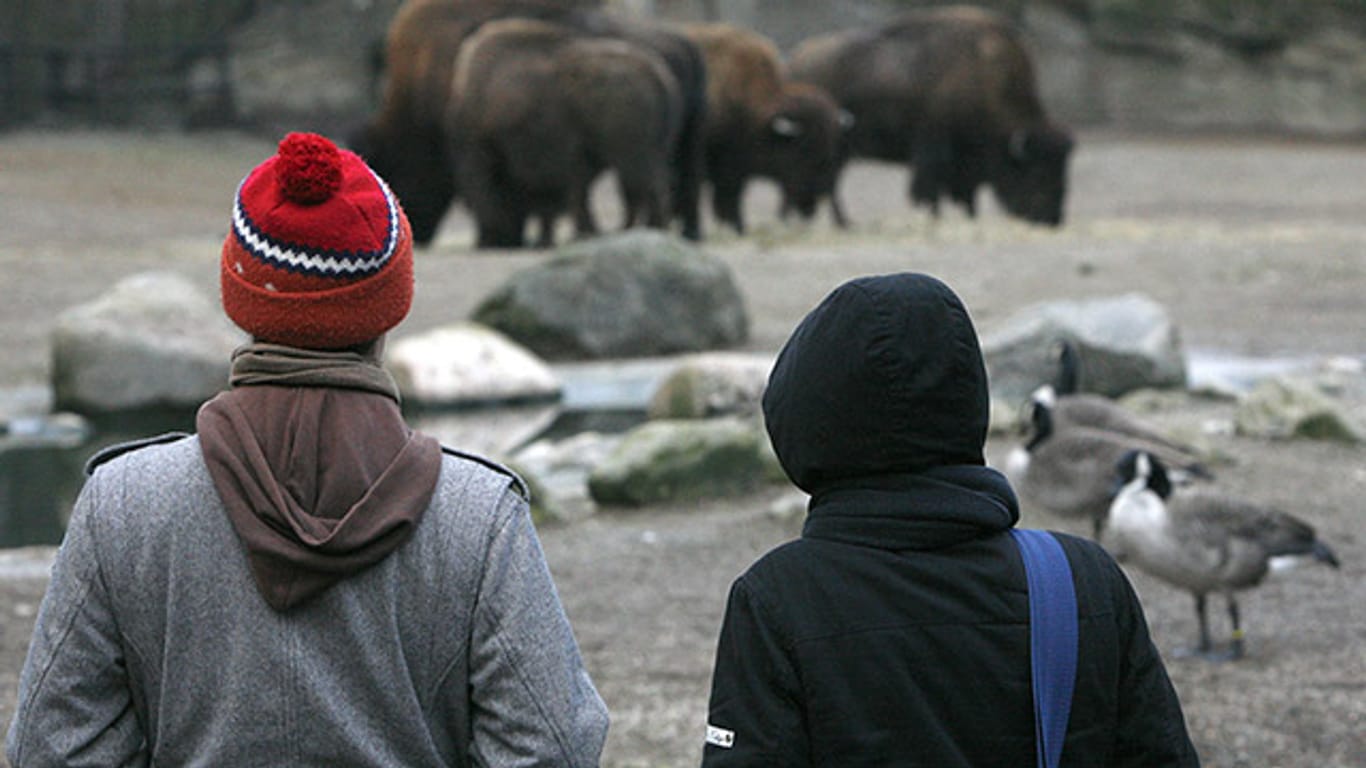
(634, 294)
(1123, 343)
(468, 364)
(559, 470)
(677, 460)
(153, 341)
(1288, 408)
(712, 384)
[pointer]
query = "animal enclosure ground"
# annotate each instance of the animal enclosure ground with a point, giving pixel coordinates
(1256, 247)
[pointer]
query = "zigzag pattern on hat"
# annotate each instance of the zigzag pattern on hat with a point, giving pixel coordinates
(324, 263)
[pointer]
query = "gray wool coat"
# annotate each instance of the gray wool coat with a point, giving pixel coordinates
(153, 646)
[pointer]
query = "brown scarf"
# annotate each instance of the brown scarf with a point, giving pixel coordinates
(258, 363)
(319, 473)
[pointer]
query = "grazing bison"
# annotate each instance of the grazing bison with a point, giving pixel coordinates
(951, 92)
(406, 141)
(760, 124)
(540, 110)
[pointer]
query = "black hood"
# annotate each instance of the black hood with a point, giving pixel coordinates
(884, 377)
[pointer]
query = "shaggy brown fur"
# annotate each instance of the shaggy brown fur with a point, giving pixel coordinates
(951, 91)
(760, 124)
(541, 109)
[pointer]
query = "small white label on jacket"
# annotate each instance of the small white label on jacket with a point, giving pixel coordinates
(720, 737)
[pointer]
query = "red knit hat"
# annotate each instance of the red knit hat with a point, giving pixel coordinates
(320, 255)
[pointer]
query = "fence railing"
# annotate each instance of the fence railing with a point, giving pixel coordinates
(115, 61)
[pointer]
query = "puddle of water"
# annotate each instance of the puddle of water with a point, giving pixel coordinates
(42, 469)
(35, 494)
(1222, 372)
(617, 385)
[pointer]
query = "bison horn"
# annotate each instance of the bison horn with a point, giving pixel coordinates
(786, 127)
(1017, 144)
(846, 119)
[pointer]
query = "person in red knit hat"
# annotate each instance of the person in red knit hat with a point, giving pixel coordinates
(306, 580)
(320, 255)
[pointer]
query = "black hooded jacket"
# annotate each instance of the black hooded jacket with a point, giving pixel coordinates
(895, 631)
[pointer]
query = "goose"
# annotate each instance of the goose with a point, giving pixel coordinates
(1071, 407)
(1065, 413)
(1070, 472)
(1204, 541)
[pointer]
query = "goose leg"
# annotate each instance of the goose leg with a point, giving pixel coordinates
(1203, 647)
(1235, 650)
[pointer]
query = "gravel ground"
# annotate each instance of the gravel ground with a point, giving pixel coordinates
(1257, 247)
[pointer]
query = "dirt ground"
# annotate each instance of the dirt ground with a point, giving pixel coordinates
(1256, 247)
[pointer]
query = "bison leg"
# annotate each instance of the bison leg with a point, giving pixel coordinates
(924, 190)
(501, 231)
(658, 200)
(726, 169)
(727, 189)
(645, 194)
(837, 211)
(501, 234)
(786, 209)
(685, 177)
(966, 197)
(966, 175)
(500, 217)
(932, 171)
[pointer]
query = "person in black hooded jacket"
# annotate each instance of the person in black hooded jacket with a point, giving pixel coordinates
(895, 630)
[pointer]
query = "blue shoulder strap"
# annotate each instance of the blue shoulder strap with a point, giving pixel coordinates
(1052, 638)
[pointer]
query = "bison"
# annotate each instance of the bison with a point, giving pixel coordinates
(406, 141)
(760, 124)
(951, 92)
(539, 110)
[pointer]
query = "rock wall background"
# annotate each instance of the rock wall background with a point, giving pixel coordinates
(1257, 66)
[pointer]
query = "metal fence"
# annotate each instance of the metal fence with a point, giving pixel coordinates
(113, 61)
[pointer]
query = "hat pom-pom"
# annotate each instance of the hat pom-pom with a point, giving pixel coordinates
(308, 168)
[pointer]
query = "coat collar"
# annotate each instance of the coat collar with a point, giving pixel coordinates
(922, 511)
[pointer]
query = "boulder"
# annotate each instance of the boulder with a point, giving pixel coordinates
(677, 460)
(1123, 343)
(1290, 408)
(546, 507)
(152, 341)
(559, 468)
(638, 293)
(1007, 417)
(468, 364)
(712, 384)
